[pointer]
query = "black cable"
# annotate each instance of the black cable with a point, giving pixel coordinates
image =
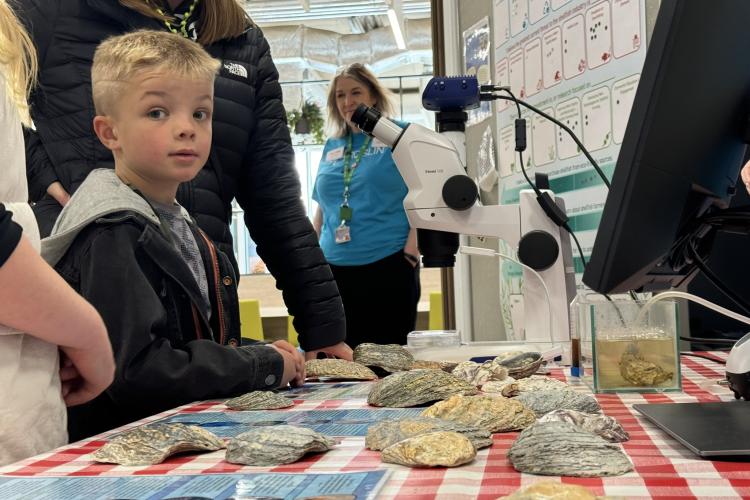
(710, 358)
(708, 341)
(716, 282)
(559, 124)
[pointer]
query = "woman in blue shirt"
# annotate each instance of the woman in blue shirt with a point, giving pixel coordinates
(363, 229)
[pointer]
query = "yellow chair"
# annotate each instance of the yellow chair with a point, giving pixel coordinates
(436, 311)
(291, 333)
(251, 325)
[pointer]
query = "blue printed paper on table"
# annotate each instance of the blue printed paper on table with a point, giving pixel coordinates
(329, 422)
(270, 486)
(327, 392)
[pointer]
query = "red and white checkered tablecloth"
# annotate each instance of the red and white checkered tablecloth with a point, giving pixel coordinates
(663, 467)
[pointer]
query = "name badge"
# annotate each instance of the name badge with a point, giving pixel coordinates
(335, 154)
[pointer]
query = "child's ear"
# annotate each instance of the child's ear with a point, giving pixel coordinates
(106, 132)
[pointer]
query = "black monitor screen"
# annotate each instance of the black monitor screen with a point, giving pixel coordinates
(682, 150)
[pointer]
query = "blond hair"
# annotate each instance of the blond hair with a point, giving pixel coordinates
(356, 71)
(18, 58)
(219, 19)
(119, 59)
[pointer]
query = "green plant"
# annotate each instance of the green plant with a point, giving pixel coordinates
(307, 121)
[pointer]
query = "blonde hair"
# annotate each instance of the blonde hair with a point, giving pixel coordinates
(219, 19)
(18, 58)
(356, 71)
(119, 59)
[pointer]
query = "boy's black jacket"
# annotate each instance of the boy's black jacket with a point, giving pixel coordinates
(166, 352)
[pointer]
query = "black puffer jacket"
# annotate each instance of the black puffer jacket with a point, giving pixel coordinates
(252, 159)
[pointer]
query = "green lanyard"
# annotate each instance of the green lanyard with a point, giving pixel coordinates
(349, 167)
(183, 23)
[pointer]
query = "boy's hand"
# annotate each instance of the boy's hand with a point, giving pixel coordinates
(57, 191)
(85, 373)
(340, 350)
(294, 363)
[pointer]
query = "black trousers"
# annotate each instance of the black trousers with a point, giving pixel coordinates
(380, 300)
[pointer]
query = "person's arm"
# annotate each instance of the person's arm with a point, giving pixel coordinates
(151, 364)
(40, 18)
(411, 252)
(269, 193)
(40, 173)
(318, 221)
(35, 300)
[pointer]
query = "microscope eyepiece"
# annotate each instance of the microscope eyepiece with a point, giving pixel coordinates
(365, 118)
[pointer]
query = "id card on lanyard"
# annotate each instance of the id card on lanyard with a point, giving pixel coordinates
(343, 232)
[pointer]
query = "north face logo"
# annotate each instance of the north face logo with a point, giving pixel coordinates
(236, 69)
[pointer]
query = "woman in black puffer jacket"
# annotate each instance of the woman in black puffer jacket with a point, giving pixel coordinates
(251, 159)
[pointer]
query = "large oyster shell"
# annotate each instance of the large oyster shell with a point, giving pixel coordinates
(446, 366)
(276, 445)
(152, 444)
(417, 387)
(562, 449)
(480, 373)
(388, 357)
(547, 490)
(640, 372)
(601, 425)
(339, 369)
(520, 364)
(492, 413)
(512, 387)
(259, 400)
(436, 449)
(384, 434)
(543, 402)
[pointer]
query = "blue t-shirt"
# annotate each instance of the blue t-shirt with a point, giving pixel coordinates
(379, 226)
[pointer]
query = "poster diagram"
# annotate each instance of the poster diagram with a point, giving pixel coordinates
(598, 35)
(623, 93)
(532, 63)
(574, 50)
(626, 33)
(580, 62)
(543, 139)
(596, 108)
(552, 57)
(477, 62)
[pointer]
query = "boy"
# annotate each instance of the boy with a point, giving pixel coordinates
(165, 292)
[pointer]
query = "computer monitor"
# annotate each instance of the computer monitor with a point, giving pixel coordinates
(683, 147)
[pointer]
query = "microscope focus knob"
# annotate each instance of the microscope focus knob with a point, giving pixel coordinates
(460, 192)
(538, 250)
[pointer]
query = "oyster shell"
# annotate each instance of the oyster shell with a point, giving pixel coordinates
(420, 364)
(276, 445)
(436, 449)
(384, 434)
(602, 425)
(338, 368)
(492, 413)
(152, 444)
(638, 371)
(480, 373)
(388, 357)
(417, 387)
(529, 384)
(543, 402)
(546, 490)
(562, 449)
(520, 364)
(259, 400)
